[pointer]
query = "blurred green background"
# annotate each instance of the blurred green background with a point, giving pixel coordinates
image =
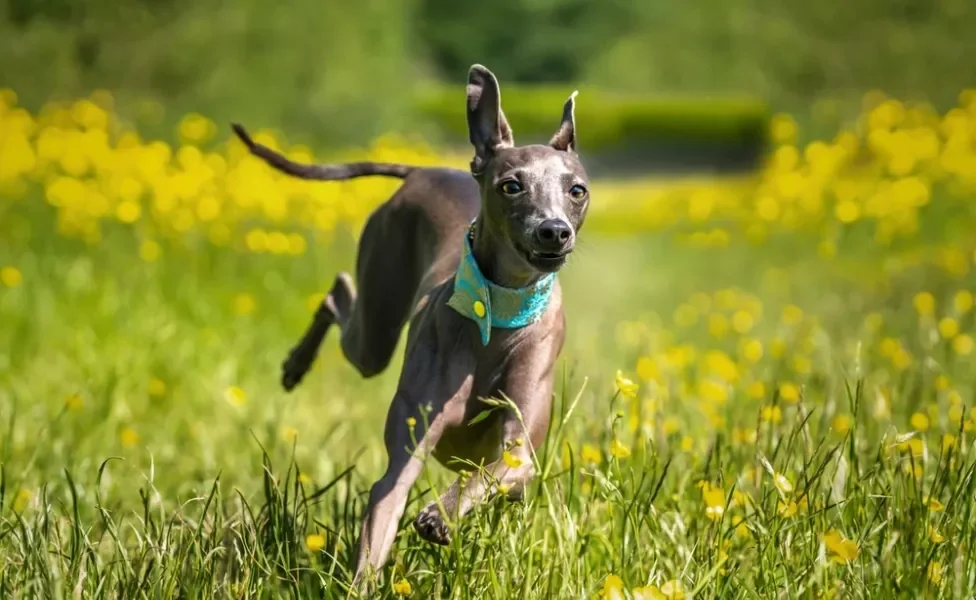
(817, 312)
(337, 73)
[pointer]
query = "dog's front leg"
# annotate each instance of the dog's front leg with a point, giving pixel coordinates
(388, 496)
(410, 437)
(508, 475)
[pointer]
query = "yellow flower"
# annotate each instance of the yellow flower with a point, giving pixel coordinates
(402, 587)
(772, 414)
(782, 483)
(10, 277)
(591, 454)
(874, 321)
(315, 542)
(742, 322)
(783, 129)
(934, 572)
(712, 391)
(789, 392)
(128, 211)
(647, 369)
(672, 590)
(752, 350)
(934, 536)
(687, 443)
(718, 325)
(847, 211)
(195, 128)
(919, 422)
(963, 344)
(757, 390)
(948, 442)
(948, 328)
(619, 449)
(792, 314)
(150, 251)
(902, 359)
(916, 471)
(411, 422)
(841, 549)
(128, 437)
(156, 387)
(256, 240)
(235, 395)
(649, 592)
(786, 508)
(942, 383)
(741, 529)
(511, 460)
(841, 424)
(289, 434)
(613, 587)
(626, 387)
(714, 499)
(719, 363)
(933, 504)
(244, 304)
(304, 479)
(742, 435)
(74, 402)
(888, 347)
(914, 445)
(21, 500)
(740, 498)
(963, 301)
(924, 303)
(801, 365)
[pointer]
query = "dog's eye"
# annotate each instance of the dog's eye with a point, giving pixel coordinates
(511, 187)
(577, 191)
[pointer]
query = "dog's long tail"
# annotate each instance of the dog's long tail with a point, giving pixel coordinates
(320, 172)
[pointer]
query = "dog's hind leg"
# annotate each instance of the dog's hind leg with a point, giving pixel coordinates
(372, 311)
(334, 309)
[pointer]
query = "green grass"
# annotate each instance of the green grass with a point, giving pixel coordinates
(215, 498)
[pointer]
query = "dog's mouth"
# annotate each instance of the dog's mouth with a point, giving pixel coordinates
(548, 262)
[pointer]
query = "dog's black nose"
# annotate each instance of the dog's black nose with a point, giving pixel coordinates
(553, 234)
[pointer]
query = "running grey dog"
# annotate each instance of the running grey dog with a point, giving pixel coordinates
(469, 260)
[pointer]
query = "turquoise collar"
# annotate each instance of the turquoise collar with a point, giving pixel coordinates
(490, 305)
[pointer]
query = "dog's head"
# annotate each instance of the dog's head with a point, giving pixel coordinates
(534, 198)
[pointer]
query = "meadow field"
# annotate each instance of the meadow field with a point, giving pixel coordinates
(767, 389)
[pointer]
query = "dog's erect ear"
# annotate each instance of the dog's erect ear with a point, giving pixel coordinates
(487, 127)
(565, 137)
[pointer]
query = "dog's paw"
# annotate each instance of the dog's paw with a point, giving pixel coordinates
(431, 526)
(295, 367)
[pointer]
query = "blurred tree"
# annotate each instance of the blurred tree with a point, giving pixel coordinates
(521, 40)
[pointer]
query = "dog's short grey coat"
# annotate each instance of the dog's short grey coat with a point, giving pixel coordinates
(529, 203)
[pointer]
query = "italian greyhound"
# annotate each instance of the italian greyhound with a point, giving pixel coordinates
(469, 260)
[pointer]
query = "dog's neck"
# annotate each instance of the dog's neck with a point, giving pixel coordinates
(498, 262)
(491, 305)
